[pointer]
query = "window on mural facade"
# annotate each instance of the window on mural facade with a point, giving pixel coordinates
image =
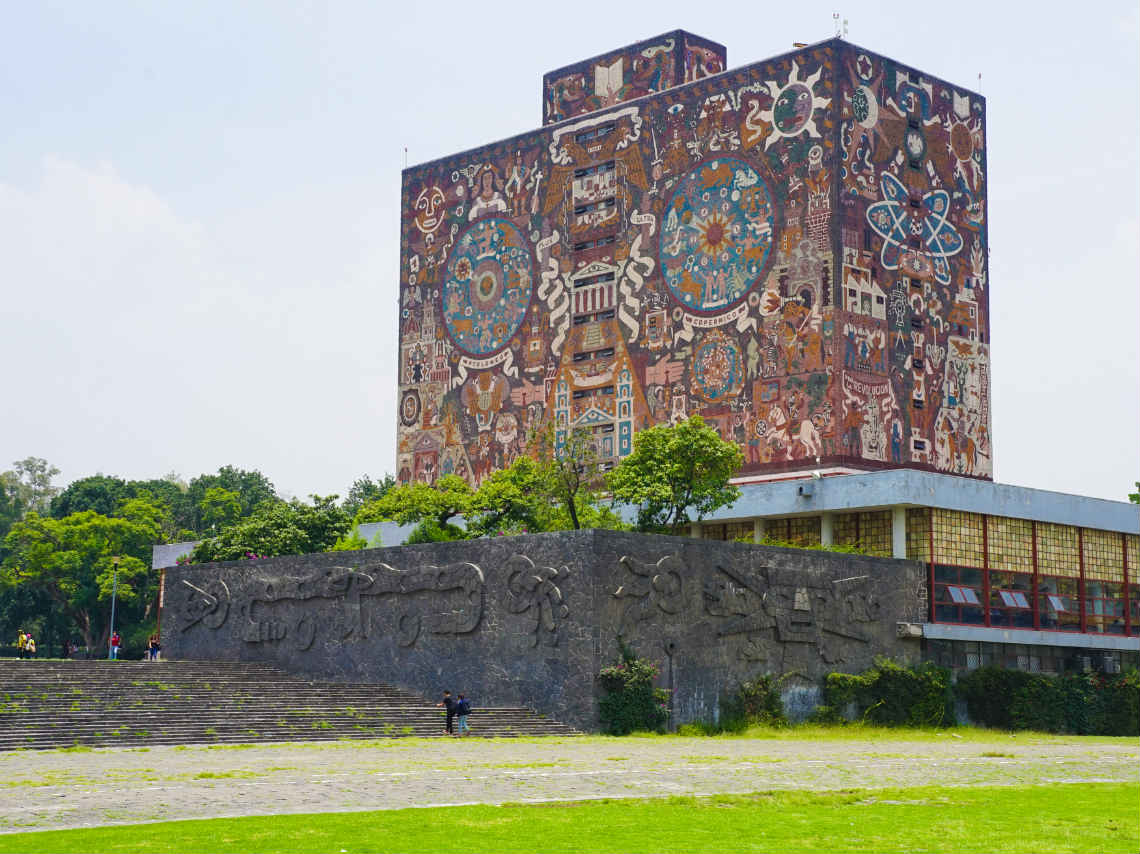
(594, 133)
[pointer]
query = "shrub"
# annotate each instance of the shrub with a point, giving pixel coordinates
(756, 702)
(631, 702)
(989, 692)
(767, 540)
(1084, 704)
(891, 694)
(430, 531)
(1118, 712)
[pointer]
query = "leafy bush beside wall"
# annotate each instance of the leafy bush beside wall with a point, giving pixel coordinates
(1083, 704)
(756, 702)
(891, 694)
(631, 702)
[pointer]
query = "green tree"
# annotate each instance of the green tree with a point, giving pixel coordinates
(279, 528)
(676, 470)
(98, 493)
(35, 483)
(365, 489)
(511, 500)
(173, 493)
(68, 563)
(106, 494)
(219, 508)
(252, 487)
(431, 507)
(571, 473)
(1134, 497)
(11, 502)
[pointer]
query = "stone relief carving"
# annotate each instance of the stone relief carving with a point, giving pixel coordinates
(436, 599)
(789, 607)
(655, 587)
(531, 590)
(208, 605)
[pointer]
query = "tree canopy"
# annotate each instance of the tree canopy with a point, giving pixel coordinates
(69, 563)
(571, 477)
(419, 503)
(541, 491)
(35, 476)
(675, 470)
(56, 545)
(365, 489)
(251, 487)
(279, 528)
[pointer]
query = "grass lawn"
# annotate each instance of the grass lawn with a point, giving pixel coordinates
(1097, 817)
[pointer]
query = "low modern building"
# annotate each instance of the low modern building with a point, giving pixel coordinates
(1022, 577)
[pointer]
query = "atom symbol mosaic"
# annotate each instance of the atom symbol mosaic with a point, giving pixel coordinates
(488, 286)
(717, 234)
(896, 222)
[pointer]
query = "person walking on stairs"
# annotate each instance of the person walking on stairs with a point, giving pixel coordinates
(449, 706)
(462, 710)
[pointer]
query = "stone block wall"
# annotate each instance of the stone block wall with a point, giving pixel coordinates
(530, 620)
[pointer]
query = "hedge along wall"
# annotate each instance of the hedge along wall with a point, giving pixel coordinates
(532, 619)
(1085, 703)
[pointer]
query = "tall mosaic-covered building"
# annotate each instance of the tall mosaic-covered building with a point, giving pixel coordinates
(795, 250)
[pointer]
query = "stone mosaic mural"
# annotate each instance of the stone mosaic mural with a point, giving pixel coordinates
(795, 250)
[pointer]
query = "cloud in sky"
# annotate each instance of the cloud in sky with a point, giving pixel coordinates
(138, 341)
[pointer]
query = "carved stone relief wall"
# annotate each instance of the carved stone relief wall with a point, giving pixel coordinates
(530, 620)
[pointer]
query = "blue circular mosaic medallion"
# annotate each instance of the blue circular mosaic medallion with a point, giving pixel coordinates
(716, 234)
(488, 286)
(718, 370)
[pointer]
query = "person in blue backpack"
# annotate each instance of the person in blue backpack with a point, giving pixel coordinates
(463, 709)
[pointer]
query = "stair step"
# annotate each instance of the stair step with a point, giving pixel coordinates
(130, 704)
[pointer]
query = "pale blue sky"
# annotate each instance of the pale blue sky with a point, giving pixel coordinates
(199, 214)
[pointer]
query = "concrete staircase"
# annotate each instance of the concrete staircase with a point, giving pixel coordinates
(50, 704)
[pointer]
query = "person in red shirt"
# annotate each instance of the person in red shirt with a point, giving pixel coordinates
(116, 641)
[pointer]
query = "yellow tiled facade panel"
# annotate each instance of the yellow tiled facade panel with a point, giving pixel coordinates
(1058, 552)
(918, 534)
(958, 538)
(1104, 555)
(1010, 544)
(870, 531)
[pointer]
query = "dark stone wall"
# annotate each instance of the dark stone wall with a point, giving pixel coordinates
(529, 620)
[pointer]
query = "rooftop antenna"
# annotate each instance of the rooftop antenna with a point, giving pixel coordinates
(405, 157)
(979, 81)
(840, 29)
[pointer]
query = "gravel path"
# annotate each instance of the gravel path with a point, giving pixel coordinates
(60, 789)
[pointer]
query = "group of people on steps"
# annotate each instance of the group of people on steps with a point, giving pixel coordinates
(25, 645)
(455, 708)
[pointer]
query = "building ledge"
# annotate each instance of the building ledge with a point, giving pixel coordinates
(941, 631)
(910, 488)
